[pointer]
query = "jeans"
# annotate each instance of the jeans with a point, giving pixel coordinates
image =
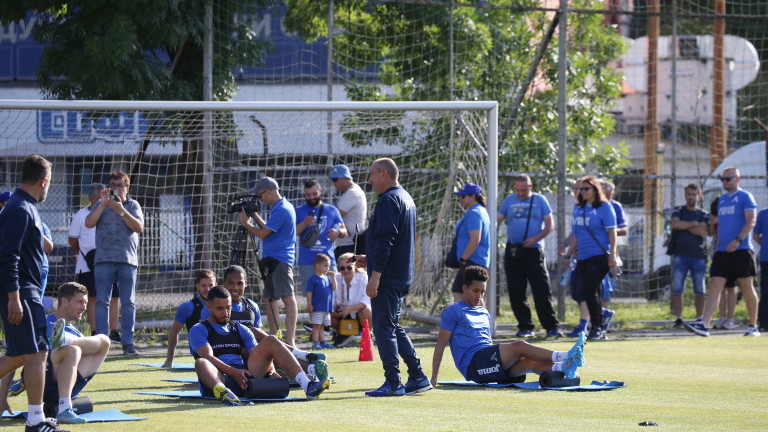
(125, 275)
(391, 339)
(681, 265)
(532, 267)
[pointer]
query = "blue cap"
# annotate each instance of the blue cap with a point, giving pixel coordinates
(5, 196)
(470, 188)
(340, 171)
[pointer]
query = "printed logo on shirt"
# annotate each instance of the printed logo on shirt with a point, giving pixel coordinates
(729, 210)
(578, 220)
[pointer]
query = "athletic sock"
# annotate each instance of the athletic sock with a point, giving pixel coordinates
(302, 379)
(64, 404)
(559, 356)
(35, 415)
(299, 354)
(557, 367)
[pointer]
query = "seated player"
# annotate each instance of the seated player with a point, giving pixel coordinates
(465, 325)
(222, 370)
(74, 358)
(188, 313)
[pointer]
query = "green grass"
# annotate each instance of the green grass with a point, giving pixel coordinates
(686, 384)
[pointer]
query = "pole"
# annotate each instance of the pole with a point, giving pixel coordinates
(329, 83)
(719, 130)
(206, 255)
(675, 47)
(562, 138)
(651, 186)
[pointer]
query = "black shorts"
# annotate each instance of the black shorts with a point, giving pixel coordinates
(733, 265)
(29, 336)
(486, 367)
(89, 281)
(229, 383)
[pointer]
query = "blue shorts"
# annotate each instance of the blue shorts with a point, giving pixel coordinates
(486, 367)
(51, 391)
(229, 383)
(681, 266)
(606, 292)
(29, 336)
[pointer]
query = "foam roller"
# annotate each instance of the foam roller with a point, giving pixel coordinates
(267, 388)
(80, 404)
(558, 379)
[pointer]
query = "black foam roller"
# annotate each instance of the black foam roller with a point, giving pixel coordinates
(80, 404)
(558, 379)
(267, 388)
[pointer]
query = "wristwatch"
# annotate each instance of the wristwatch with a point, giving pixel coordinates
(122, 213)
(739, 239)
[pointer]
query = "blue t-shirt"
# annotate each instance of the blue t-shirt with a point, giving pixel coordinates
(69, 328)
(516, 210)
(471, 331)
(390, 241)
(185, 310)
(281, 244)
(621, 221)
(731, 219)
(322, 293)
(761, 227)
(198, 337)
(598, 220)
(686, 243)
(475, 219)
(331, 219)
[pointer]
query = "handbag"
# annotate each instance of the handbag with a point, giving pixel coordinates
(452, 259)
(516, 251)
(312, 234)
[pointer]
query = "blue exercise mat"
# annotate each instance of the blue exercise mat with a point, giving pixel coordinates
(196, 394)
(180, 366)
(108, 415)
(193, 380)
(534, 385)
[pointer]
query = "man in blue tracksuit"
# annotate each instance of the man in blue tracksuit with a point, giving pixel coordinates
(390, 253)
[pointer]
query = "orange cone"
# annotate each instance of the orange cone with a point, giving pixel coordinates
(366, 344)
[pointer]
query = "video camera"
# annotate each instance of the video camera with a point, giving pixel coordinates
(249, 202)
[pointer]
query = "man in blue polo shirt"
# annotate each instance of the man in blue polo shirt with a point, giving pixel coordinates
(21, 260)
(278, 247)
(734, 258)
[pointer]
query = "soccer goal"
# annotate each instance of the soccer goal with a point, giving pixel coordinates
(186, 159)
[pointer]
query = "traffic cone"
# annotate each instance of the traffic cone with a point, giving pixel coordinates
(366, 344)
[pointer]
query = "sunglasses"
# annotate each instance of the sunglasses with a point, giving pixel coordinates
(585, 188)
(725, 179)
(342, 268)
(334, 180)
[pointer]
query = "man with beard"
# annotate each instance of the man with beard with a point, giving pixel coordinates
(328, 220)
(223, 372)
(21, 260)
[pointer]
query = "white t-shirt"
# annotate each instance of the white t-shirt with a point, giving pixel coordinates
(353, 294)
(86, 237)
(354, 204)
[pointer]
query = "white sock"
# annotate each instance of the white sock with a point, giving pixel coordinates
(64, 404)
(559, 356)
(302, 379)
(68, 338)
(35, 415)
(299, 354)
(557, 367)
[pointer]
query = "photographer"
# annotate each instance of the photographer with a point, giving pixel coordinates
(278, 237)
(118, 221)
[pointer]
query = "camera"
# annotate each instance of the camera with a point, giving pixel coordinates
(114, 195)
(248, 202)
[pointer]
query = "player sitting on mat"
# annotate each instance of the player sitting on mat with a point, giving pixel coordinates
(465, 325)
(74, 358)
(222, 371)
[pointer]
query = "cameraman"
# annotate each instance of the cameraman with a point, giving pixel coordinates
(278, 237)
(118, 221)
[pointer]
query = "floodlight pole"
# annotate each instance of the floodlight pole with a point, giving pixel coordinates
(206, 252)
(562, 139)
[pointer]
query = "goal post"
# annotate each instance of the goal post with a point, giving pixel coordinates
(184, 165)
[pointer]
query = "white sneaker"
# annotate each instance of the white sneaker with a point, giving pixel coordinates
(719, 324)
(752, 331)
(728, 325)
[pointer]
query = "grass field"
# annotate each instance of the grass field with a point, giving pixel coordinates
(688, 384)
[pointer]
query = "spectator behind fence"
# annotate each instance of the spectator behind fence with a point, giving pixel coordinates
(350, 300)
(730, 297)
(690, 225)
(529, 221)
(594, 239)
(734, 257)
(622, 229)
(118, 220)
(21, 308)
(82, 240)
(278, 241)
(353, 207)
(329, 224)
(473, 234)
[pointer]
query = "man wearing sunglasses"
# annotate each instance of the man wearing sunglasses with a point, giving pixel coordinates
(734, 258)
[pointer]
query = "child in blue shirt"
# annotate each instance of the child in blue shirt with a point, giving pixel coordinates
(320, 288)
(465, 326)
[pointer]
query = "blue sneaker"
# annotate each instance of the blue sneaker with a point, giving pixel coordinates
(576, 332)
(387, 390)
(597, 334)
(313, 357)
(697, 327)
(524, 334)
(225, 395)
(607, 317)
(69, 416)
(317, 346)
(575, 361)
(326, 345)
(554, 333)
(319, 370)
(314, 388)
(578, 348)
(16, 388)
(417, 386)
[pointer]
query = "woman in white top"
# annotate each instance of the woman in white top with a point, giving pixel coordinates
(350, 297)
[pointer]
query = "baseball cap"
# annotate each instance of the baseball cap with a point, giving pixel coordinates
(340, 171)
(266, 183)
(470, 188)
(5, 196)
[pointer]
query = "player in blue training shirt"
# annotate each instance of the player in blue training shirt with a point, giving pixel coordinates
(734, 258)
(218, 345)
(465, 326)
